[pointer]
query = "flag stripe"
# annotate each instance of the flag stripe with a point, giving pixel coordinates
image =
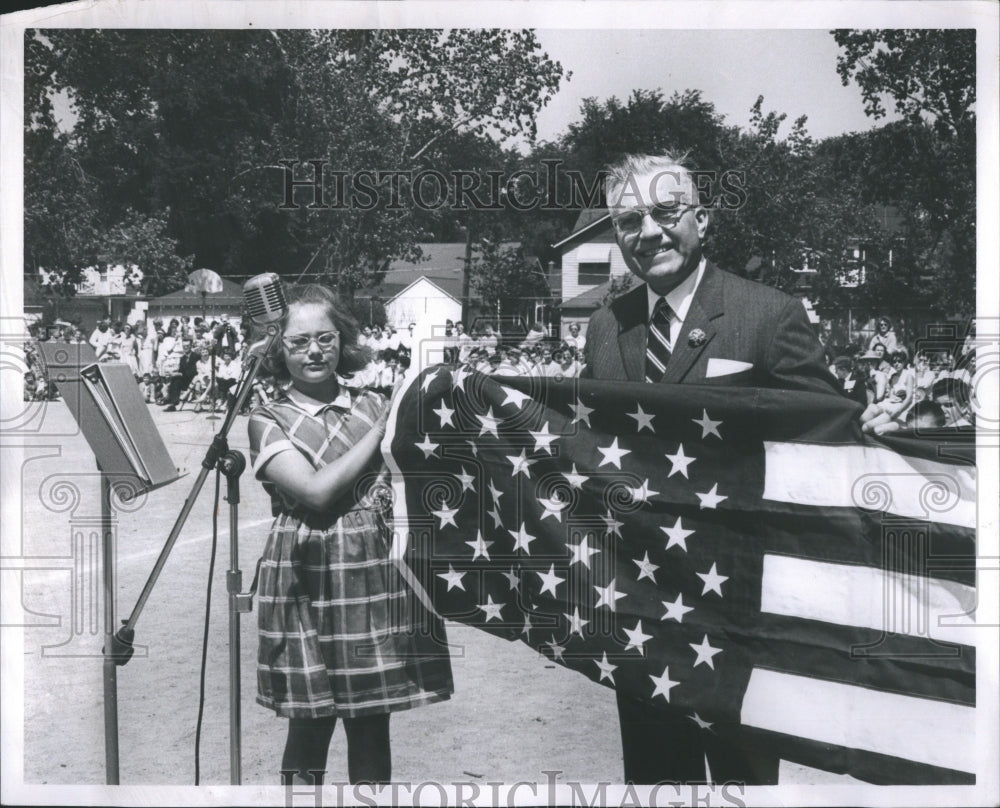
(893, 663)
(870, 477)
(869, 767)
(868, 598)
(944, 551)
(859, 718)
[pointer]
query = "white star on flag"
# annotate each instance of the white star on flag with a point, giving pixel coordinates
(495, 493)
(453, 578)
(637, 638)
(512, 579)
(705, 653)
(713, 581)
(663, 684)
(557, 650)
(480, 547)
(466, 480)
(646, 568)
(612, 454)
(609, 596)
(582, 553)
(427, 447)
(543, 438)
(550, 580)
(675, 610)
(710, 499)
(474, 447)
(581, 412)
(492, 609)
(458, 378)
(489, 423)
(607, 669)
(495, 515)
(677, 535)
(679, 462)
(522, 539)
(576, 623)
(643, 492)
(553, 507)
(643, 420)
(574, 478)
(444, 413)
(426, 383)
(446, 515)
(708, 426)
(515, 397)
(526, 631)
(701, 722)
(612, 525)
(521, 464)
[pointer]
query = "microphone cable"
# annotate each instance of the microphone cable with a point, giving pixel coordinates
(204, 641)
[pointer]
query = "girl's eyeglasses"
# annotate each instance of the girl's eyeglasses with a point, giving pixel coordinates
(300, 343)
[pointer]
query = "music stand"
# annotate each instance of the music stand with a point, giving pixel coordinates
(131, 458)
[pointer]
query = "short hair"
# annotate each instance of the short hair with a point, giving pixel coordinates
(955, 389)
(618, 174)
(926, 410)
(898, 356)
(353, 357)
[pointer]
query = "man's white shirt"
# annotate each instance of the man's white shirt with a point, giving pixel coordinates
(679, 299)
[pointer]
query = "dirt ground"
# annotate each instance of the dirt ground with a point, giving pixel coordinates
(514, 715)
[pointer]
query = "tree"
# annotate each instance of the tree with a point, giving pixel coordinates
(929, 160)
(506, 280)
(156, 134)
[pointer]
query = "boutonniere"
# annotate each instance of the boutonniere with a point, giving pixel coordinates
(696, 337)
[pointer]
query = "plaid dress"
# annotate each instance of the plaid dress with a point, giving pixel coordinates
(340, 634)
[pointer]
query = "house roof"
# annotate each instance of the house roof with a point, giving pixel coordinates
(591, 299)
(443, 291)
(589, 223)
(231, 295)
(441, 263)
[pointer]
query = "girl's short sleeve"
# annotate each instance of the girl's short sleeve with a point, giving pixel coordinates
(267, 439)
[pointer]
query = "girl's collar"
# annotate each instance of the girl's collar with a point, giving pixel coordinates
(341, 401)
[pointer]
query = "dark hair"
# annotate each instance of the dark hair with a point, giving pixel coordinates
(924, 409)
(956, 389)
(898, 356)
(353, 357)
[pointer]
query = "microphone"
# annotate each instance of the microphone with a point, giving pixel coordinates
(264, 300)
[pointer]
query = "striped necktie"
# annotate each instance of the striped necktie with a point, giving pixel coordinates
(658, 342)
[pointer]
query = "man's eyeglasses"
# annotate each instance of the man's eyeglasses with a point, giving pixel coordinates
(629, 222)
(300, 342)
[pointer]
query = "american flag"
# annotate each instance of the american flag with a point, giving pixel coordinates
(743, 556)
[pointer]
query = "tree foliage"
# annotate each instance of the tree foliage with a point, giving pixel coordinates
(506, 280)
(197, 123)
(926, 166)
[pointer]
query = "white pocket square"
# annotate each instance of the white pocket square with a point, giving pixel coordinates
(725, 367)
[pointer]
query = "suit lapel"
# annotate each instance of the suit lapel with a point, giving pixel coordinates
(632, 314)
(705, 308)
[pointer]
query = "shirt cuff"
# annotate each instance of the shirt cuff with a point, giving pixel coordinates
(269, 451)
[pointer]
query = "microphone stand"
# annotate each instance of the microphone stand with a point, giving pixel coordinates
(122, 643)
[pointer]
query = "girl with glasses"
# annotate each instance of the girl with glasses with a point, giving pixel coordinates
(340, 636)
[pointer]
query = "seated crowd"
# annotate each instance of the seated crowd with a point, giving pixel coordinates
(172, 364)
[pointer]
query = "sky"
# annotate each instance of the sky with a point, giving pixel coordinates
(795, 71)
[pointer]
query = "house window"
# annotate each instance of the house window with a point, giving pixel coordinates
(593, 273)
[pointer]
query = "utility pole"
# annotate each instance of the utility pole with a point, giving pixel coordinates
(466, 273)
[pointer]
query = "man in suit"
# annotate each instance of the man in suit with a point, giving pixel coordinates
(690, 323)
(181, 380)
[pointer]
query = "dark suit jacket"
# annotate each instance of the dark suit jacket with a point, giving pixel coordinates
(754, 336)
(188, 368)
